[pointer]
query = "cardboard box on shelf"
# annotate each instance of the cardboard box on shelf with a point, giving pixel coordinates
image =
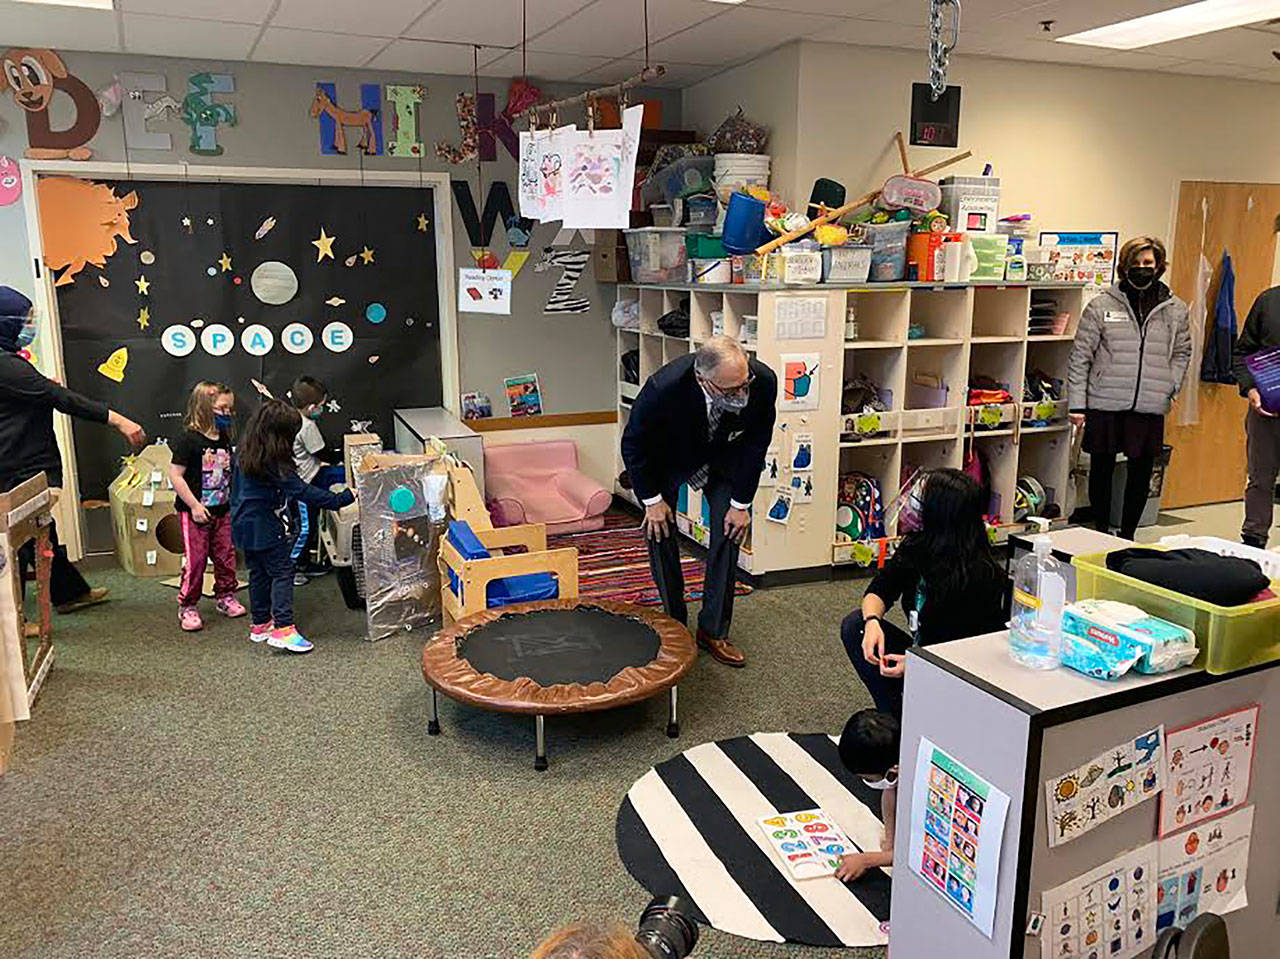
(140, 497)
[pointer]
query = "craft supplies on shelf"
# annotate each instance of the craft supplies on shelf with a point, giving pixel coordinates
(657, 254)
(739, 173)
(801, 265)
(990, 250)
(888, 250)
(971, 203)
(846, 264)
(710, 271)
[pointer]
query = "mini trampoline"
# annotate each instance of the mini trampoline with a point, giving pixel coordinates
(556, 657)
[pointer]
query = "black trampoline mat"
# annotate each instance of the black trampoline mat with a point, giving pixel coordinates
(559, 646)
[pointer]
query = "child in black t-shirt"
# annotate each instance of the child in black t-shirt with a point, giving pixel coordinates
(201, 475)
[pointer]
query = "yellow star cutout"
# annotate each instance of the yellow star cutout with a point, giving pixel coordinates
(144, 285)
(144, 318)
(225, 263)
(324, 246)
(366, 256)
(422, 222)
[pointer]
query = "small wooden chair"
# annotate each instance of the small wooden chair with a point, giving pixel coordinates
(25, 517)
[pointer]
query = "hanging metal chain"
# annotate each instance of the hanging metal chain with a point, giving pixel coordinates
(940, 52)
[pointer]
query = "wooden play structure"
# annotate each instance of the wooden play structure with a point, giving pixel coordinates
(474, 576)
(26, 649)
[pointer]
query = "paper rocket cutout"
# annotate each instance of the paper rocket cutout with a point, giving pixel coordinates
(268, 225)
(366, 256)
(374, 358)
(422, 223)
(335, 301)
(224, 261)
(144, 285)
(144, 318)
(323, 245)
(197, 323)
(351, 260)
(103, 282)
(113, 366)
(262, 390)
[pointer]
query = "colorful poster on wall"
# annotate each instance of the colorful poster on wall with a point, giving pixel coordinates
(524, 398)
(800, 387)
(1090, 257)
(1204, 870)
(957, 829)
(1109, 911)
(1083, 798)
(1210, 764)
(484, 291)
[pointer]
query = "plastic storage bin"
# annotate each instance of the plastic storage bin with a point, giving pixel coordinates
(846, 264)
(888, 250)
(657, 254)
(1229, 637)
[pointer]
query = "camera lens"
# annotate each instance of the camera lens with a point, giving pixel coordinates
(667, 929)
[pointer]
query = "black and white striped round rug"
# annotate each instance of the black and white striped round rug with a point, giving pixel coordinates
(689, 827)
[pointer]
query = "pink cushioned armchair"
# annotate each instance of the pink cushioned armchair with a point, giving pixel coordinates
(540, 483)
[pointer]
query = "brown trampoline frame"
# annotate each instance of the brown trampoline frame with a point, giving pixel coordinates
(446, 672)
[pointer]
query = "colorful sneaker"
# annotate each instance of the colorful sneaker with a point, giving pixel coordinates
(259, 632)
(288, 639)
(230, 607)
(189, 619)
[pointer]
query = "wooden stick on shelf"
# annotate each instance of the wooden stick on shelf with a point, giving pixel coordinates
(850, 207)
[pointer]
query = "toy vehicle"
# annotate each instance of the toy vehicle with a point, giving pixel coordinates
(340, 544)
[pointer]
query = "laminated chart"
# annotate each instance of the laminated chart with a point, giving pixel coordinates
(1109, 911)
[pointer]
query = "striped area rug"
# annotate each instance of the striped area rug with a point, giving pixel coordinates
(613, 563)
(689, 827)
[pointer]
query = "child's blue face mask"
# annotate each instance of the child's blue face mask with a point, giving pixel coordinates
(27, 335)
(223, 421)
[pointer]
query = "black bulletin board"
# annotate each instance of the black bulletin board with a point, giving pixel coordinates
(188, 284)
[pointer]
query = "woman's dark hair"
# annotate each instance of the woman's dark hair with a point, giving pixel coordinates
(266, 451)
(870, 742)
(953, 538)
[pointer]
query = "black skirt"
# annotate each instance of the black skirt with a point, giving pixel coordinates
(1136, 435)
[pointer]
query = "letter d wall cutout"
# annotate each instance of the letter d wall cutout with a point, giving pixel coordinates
(33, 76)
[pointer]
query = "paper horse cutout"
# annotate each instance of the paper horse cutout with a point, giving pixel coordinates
(334, 120)
(33, 76)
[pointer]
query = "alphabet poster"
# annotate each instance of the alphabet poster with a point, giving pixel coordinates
(1109, 911)
(1204, 870)
(1083, 798)
(1210, 764)
(242, 282)
(800, 381)
(957, 829)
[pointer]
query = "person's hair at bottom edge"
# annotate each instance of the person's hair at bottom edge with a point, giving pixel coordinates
(869, 743)
(587, 941)
(266, 451)
(952, 533)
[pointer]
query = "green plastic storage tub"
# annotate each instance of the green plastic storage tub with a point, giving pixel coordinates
(1229, 637)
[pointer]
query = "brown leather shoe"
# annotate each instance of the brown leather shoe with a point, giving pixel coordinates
(722, 650)
(92, 598)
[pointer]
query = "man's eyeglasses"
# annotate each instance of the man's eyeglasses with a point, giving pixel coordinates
(742, 389)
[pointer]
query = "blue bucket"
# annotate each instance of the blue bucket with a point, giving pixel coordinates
(744, 228)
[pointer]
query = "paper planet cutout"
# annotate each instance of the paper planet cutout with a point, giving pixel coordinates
(375, 313)
(147, 257)
(274, 283)
(212, 271)
(402, 499)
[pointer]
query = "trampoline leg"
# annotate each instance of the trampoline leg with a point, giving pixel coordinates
(433, 724)
(673, 721)
(540, 729)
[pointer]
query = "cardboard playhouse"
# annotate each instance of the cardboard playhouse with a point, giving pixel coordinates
(141, 495)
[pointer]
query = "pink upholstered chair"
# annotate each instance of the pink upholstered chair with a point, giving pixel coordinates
(540, 483)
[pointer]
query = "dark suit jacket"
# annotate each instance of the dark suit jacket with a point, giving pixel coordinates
(666, 440)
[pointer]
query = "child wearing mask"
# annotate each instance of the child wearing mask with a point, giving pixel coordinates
(201, 477)
(869, 749)
(309, 396)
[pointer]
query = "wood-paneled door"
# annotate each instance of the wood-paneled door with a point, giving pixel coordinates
(1209, 456)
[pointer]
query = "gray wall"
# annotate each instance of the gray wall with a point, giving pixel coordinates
(573, 355)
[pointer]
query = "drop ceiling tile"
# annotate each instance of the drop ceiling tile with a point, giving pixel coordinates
(62, 28)
(1209, 68)
(495, 22)
(678, 75)
(875, 33)
(835, 8)
(916, 12)
(739, 34)
(423, 56)
(282, 45)
(1073, 16)
(373, 18)
(1137, 60)
(1042, 51)
(543, 66)
(681, 75)
(1270, 26)
(179, 37)
(1251, 48)
(234, 11)
(616, 27)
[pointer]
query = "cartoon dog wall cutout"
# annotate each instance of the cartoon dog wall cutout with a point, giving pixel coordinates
(33, 76)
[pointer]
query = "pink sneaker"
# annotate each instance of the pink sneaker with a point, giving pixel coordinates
(258, 633)
(189, 619)
(230, 607)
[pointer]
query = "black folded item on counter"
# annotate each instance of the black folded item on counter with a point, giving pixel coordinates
(1224, 580)
(676, 323)
(630, 361)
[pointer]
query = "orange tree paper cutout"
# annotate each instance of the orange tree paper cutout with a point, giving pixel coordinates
(79, 223)
(33, 76)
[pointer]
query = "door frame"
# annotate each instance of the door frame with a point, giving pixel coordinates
(68, 514)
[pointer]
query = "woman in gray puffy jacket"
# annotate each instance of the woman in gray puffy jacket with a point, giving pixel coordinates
(1130, 354)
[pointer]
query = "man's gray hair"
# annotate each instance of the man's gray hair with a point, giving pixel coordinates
(714, 352)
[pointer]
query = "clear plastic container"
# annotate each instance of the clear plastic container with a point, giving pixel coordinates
(1229, 637)
(657, 254)
(1039, 593)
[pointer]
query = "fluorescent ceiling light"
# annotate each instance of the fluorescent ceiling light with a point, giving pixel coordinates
(1207, 16)
(93, 4)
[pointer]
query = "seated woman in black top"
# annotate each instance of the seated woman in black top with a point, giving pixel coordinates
(948, 578)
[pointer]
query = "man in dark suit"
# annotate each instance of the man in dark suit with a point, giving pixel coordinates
(705, 419)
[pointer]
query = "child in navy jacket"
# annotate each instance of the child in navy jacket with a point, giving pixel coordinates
(265, 483)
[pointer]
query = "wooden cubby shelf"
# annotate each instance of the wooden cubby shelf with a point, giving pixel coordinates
(961, 331)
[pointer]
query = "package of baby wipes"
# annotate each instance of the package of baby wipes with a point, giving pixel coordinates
(1105, 639)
